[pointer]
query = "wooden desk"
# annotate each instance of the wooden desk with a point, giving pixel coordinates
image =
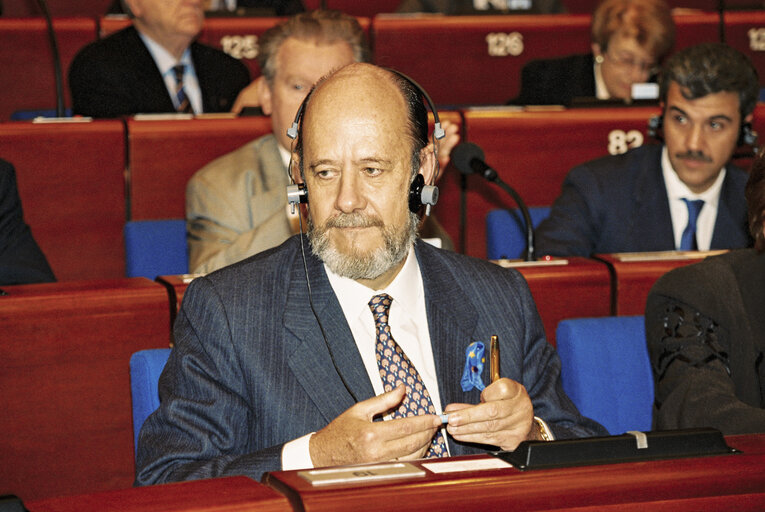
(230, 494)
(65, 414)
(731, 482)
(28, 80)
(72, 187)
(633, 279)
(581, 288)
(164, 155)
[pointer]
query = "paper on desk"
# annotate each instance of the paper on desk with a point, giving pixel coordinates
(466, 465)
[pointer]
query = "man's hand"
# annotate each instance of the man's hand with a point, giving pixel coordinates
(249, 96)
(353, 437)
(504, 417)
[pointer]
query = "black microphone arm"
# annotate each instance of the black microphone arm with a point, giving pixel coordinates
(468, 158)
(58, 75)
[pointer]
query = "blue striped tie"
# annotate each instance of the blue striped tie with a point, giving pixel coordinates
(184, 105)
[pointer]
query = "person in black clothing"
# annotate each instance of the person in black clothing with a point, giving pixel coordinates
(21, 260)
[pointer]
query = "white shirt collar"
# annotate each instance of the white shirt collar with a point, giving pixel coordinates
(676, 189)
(162, 57)
(601, 91)
(405, 289)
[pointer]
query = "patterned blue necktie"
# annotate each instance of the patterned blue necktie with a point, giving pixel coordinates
(688, 240)
(395, 368)
(184, 105)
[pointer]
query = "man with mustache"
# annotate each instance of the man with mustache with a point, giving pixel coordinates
(682, 195)
(286, 359)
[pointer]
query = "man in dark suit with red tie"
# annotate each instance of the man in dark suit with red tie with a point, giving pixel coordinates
(147, 67)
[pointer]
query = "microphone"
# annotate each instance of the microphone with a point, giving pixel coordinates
(468, 158)
(57, 74)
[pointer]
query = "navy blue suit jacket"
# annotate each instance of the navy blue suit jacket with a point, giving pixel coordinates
(619, 204)
(250, 370)
(117, 76)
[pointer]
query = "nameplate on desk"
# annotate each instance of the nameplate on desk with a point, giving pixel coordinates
(456, 466)
(187, 278)
(163, 117)
(55, 120)
(366, 473)
(537, 263)
(665, 255)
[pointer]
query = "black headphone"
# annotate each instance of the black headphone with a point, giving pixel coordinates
(746, 134)
(419, 193)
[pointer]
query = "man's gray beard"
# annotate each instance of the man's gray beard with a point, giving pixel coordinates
(397, 242)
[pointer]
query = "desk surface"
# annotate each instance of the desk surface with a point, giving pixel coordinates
(735, 482)
(219, 494)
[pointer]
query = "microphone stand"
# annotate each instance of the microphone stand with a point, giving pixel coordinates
(58, 76)
(530, 252)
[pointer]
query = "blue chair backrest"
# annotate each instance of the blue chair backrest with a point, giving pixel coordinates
(28, 115)
(156, 247)
(606, 370)
(145, 369)
(506, 231)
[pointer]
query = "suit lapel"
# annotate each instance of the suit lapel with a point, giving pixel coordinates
(651, 223)
(451, 328)
(147, 77)
(309, 358)
(730, 210)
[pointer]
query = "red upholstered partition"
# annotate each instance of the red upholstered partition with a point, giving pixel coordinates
(533, 151)
(163, 155)
(66, 418)
(745, 31)
(26, 60)
(474, 59)
(92, 8)
(71, 181)
(477, 60)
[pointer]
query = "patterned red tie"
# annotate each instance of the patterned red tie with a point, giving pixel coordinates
(395, 368)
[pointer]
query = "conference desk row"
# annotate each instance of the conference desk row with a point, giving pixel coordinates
(81, 181)
(66, 425)
(459, 60)
(722, 482)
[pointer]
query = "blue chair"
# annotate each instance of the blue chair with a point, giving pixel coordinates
(28, 115)
(506, 231)
(145, 368)
(156, 247)
(606, 370)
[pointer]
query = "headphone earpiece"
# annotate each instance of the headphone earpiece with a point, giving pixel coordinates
(655, 125)
(747, 136)
(297, 193)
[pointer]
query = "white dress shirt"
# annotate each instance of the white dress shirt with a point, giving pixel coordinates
(165, 63)
(408, 324)
(677, 190)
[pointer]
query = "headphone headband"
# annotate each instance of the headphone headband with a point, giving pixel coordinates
(419, 193)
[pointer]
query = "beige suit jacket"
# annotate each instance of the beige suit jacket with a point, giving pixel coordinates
(236, 206)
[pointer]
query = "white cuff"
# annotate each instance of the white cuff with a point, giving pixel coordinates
(296, 454)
